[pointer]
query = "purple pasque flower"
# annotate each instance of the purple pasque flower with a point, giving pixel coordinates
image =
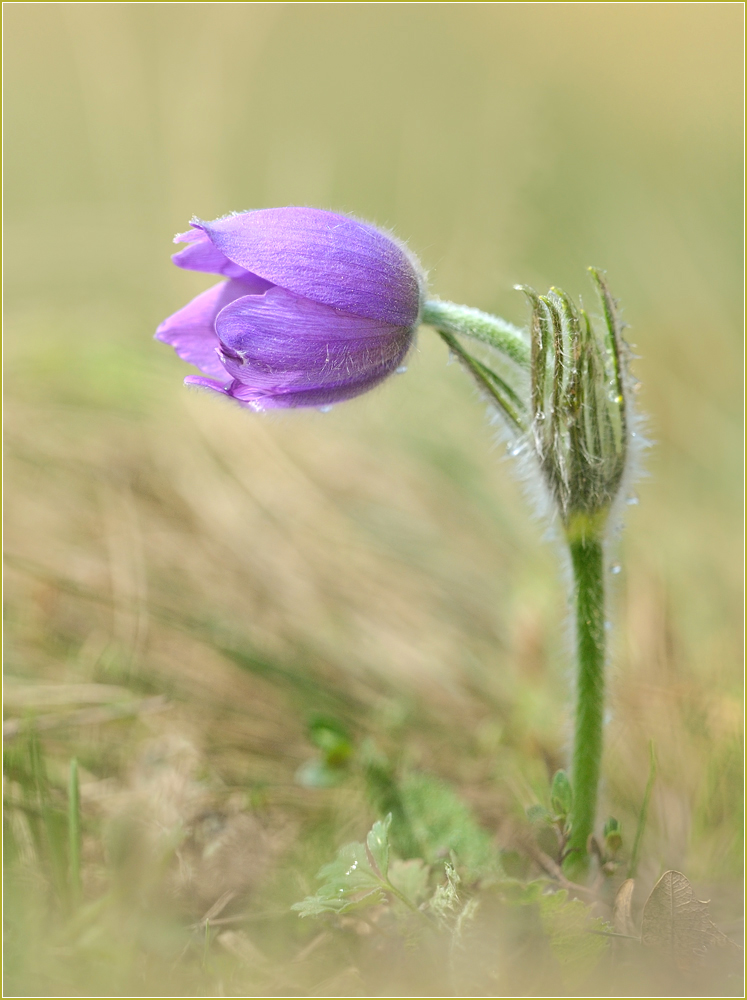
(317, 308)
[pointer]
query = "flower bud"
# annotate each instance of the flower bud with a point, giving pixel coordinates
(317, 308)
(580, 421)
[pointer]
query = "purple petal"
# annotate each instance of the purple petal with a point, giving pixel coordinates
(278, 334)
(325, 257)
(296, 398)
(258, 400)
(202, 255)
(283, 350)
(191, 330)
(192, 235)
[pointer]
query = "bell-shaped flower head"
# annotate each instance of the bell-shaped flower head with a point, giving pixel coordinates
(317, 307)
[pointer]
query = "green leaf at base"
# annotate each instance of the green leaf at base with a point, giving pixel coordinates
(568, 924)
(355, 879)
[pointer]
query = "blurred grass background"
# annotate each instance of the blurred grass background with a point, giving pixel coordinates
(376, 563)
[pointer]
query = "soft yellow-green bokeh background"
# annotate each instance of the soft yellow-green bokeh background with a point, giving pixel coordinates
(506, 143)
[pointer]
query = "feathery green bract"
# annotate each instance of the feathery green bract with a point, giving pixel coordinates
(580, 420)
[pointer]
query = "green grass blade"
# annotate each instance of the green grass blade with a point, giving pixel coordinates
(644, 812)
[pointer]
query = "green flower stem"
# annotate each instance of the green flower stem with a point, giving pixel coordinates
(463, 321)
(73, 833)
(587, 557)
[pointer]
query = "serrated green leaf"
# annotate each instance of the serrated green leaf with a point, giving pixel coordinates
(378, 844)
(577, 940)
(350, 870)
(315, 906)
(356, 878)
(348, 882)
(522, 893)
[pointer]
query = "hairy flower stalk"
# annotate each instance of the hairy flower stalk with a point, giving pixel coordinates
(580, 434)
(574, 413)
